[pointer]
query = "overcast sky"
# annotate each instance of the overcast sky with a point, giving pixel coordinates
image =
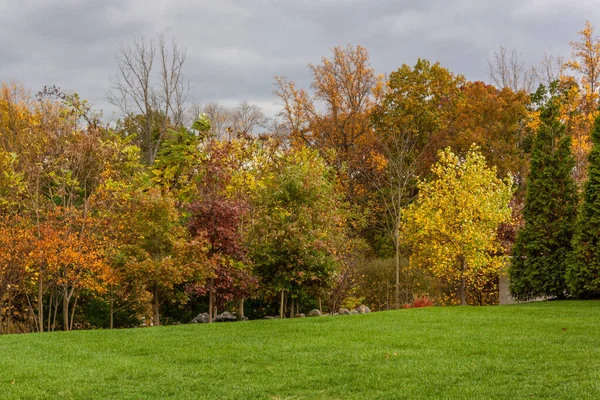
(235, 47)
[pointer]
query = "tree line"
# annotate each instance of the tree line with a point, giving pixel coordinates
(365, 188)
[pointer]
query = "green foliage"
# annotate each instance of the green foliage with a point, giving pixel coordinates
(298, 223)
(541, 251)
(583, 273)
(176, 167)
(202, 124)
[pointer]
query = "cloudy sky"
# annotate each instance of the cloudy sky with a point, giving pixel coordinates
(235, 47)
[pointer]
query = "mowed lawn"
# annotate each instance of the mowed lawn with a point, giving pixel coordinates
(548, 350)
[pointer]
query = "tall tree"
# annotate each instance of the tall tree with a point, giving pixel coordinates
(298, 225)
(335, 118)
(582, 106)
(154, 94)
(583, 273)
(540, 254)
(452, 227)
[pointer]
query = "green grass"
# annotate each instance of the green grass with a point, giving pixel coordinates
(501, 352)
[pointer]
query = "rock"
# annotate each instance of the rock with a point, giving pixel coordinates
(201, 318)
(243, 318)
(268, 317)
(362, 309)
(225, 316)
(336, 313)
(343, 311)
(300, 315)
(314, 313)
(354, 312)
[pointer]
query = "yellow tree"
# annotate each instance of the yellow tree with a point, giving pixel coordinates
(582, 107)
(452, 226)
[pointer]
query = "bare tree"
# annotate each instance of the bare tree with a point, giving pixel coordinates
(247, 118)
(150, 89)
(220, 119)
(509, 71)
(396, 186)
(551, 69)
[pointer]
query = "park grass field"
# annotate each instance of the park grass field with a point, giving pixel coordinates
(548, 350)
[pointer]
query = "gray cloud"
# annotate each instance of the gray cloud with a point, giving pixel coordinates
(236, 47)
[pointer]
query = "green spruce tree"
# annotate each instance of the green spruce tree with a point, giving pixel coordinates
(542, 249)
(583, 273)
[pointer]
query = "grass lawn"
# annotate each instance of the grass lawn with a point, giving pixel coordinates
(502, 352)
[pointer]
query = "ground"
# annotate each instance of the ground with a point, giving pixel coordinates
(547, 350)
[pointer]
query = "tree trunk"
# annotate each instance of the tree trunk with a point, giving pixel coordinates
(320, 305)
(463, 295)
(73, 312)
(210, 302)
(40, 305)
(241, 307)
(156, 309)
(281, 305)
(50, 310)
(292, 315)
(397, 270)
(112, 312)
(65, 311)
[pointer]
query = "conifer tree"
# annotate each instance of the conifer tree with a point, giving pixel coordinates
(543, 246)
(583, 273)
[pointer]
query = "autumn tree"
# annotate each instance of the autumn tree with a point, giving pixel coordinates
(452, 226)
(335, 118)
(218, 218)
(541, 251)
(156, 238)
(581, 107)
(583, 271)
(299, 222)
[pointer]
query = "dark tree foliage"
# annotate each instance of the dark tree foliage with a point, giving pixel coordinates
(542, 249)
(583, 273)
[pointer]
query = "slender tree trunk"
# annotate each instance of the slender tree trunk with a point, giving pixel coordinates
(50, 311)
(320, 305)
(397, 269)
(281, 305)
(463, 296)
(210, 302)
(9, 315)
(73, 313)
(241, 307)
(65, 311)
(112, 312)
(1, 315)
(156, 308)
(56, 304)
(292, 315)
(40, 305)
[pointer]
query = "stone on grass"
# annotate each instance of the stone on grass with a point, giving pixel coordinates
(201, 318)
(225, 316)
(354, 312)
(314, 313)
(343, 311)
(362, 309)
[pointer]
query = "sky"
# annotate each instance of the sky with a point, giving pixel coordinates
(236, 47)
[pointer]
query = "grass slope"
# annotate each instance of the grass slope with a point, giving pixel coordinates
(503, 352)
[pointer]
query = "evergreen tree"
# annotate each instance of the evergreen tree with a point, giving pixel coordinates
(543, 246)
(583, 274)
